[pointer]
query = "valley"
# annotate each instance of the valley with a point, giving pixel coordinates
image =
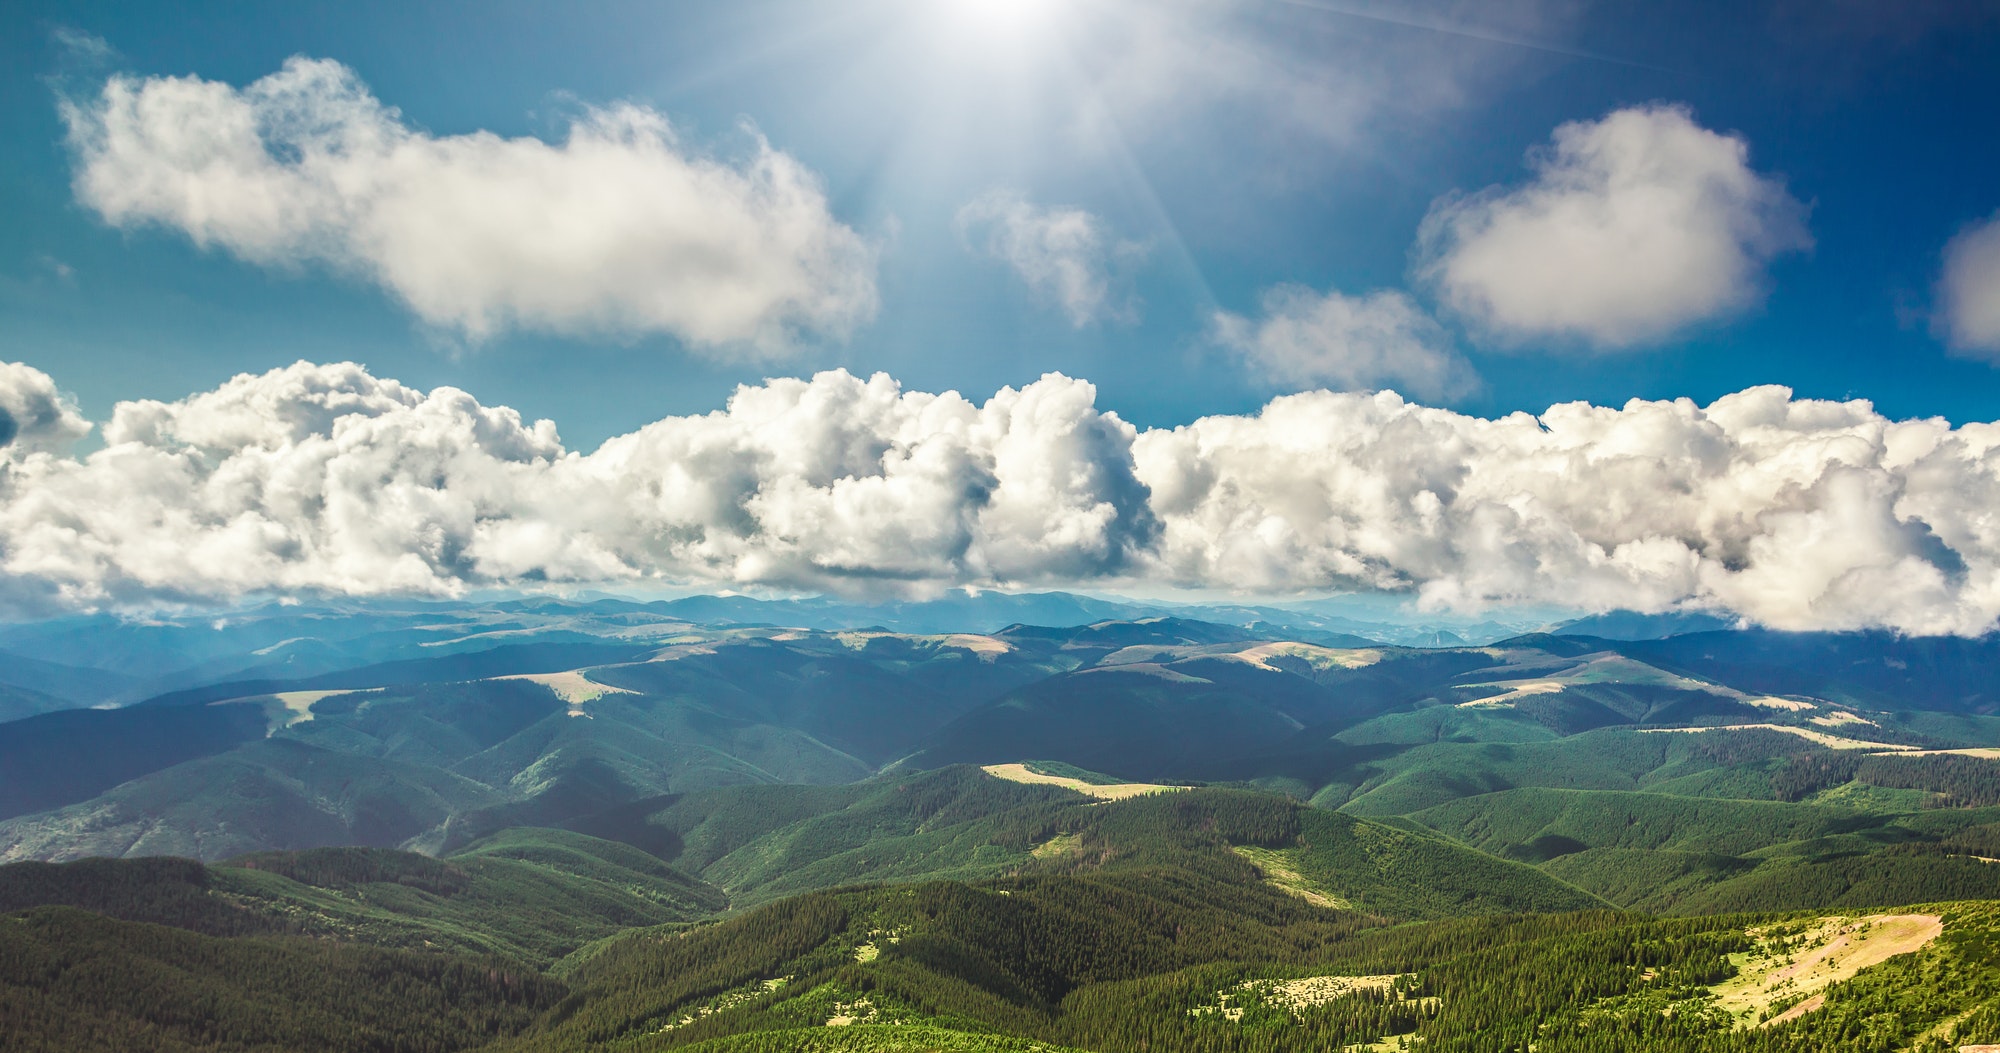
(1121, 835)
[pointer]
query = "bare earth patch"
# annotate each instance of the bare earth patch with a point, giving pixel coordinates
(1800, 963)
(1113, 792)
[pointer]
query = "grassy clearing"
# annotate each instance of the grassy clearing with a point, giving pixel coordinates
(1294, 996)
(1832, 742)
(1320, 658)
(1113, 792)
(1792, 965)
(298, 704)
(1282, 874)
(1058, 846)
(986, 647)
(572, 686)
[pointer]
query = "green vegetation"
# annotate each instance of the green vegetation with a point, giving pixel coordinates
(1059, 961)
(760, 842)
(1146, 928)
(1952, 781)
(532, 896)
(755, 844)
(71, 980)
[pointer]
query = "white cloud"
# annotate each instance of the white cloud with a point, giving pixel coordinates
(1797, 514)
(327, 479)
(1969, 308)
(324, 479)
(1379, 339)
(1065, 255)
(1635, 227)
(34, 416)
(619, 229)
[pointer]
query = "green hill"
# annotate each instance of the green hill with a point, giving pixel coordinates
(1166, 961)
(1201, 919)
(1539, 823)
(762, 842)
(71, 980)
(532, 896)
(1658, 852)
(271, 793)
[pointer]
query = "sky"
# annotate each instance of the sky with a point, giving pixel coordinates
(688, 236)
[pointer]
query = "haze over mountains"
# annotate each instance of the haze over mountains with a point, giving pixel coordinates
(427, 726)
(1000, 526)
(1028, 830)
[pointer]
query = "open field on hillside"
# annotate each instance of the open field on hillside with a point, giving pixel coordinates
(1793, 964)
(1109, 792)
(572, 686)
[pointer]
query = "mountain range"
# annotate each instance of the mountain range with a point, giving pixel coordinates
(1100, 834)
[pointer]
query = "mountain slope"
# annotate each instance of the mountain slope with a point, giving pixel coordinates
(55, 759)
(531, 896)
(762, 842)
(70, 980)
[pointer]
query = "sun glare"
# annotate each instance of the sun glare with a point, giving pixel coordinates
(1002, 16)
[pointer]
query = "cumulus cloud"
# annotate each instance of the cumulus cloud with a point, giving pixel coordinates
(34, 416)
(1969, 291)
(620, 228)
(1635, 227)
(1065, 255)
(327, 479)
(1798, 514)
(1379, 339)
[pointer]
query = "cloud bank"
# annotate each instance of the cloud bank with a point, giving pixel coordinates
(1380, 339)
(325, 479)
(619, 229)
(1969, 291)
(1065, 255)
(1634, 228)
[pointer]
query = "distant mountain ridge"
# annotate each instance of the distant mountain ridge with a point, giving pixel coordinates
(548, 826)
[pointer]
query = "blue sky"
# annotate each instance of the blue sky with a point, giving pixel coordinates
(626, 217)
(1880, 124)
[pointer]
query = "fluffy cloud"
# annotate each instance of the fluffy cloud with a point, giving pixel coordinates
(34, 416)
(618, 229)
(1065, 255)
(1635, 227)
(1797, 514)
(1380, 339)
(1969, 300)
(324, 479)
(327, 479)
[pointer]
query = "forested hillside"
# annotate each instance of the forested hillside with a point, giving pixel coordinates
(1157, 834)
